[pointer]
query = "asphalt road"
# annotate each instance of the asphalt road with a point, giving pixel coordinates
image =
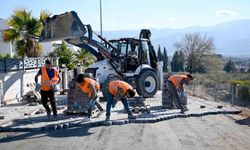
(207, 132)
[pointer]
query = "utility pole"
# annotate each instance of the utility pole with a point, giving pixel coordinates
(101, 17)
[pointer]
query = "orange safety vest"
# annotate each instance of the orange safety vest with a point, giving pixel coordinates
(176, 79)
(114, 85)
(46, 82)
(85, 88)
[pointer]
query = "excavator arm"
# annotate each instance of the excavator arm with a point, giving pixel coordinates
(70, 28)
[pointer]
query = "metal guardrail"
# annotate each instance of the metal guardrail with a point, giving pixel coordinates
(14, 64)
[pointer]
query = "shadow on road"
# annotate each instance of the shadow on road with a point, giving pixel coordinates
(64, 133)
(40, 119)
(245, 121)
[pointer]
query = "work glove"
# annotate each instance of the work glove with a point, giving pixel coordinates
(183, 94)
(37, 87)
(54, 88)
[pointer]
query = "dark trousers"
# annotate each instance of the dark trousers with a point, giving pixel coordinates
(173, 92)
(45, 95)
(110, 101)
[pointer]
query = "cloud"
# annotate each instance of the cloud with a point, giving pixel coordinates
(226, 13)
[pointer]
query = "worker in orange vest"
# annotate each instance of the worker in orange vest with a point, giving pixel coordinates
(176, 83)
(49, 78)
(119, 90)
(90, 87)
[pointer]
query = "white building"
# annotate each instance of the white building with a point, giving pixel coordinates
(5, 47)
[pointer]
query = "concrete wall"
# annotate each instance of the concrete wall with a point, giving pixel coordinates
(14, 85)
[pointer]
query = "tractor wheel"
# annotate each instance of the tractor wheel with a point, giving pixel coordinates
(147, 83)
(105, 85)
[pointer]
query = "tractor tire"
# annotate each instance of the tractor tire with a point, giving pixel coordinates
(147, 83)
(105, 85)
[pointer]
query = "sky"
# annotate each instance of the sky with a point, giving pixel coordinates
(137, 14)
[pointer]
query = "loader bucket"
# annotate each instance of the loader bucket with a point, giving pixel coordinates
(64, 26)
(70, 28)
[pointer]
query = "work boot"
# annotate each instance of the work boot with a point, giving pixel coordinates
(48, 114)
(184, 110)
(131, 117)
(107, 118)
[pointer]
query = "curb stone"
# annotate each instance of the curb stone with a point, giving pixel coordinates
(109, 123)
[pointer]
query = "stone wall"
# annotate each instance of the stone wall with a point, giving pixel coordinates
(13, 85)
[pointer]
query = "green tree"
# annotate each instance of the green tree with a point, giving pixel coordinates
(181, 61)
(159, 54)
(65, 54)
(229, 66)
(23, 27)
(174, 62)
(1, 56)
(84, 57)
(165, 60)
(195, 47)
(178, 61)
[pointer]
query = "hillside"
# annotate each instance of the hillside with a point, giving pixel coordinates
(231, 38)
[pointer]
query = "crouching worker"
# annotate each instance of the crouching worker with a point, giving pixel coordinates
(90, 87)
(176, 83)
(119, 90)
(49, 78)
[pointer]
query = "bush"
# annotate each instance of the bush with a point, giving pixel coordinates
(240, 82)
(244, 93)
(8, 56)
(1, 56)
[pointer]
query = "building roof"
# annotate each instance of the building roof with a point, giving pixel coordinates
(3, 24)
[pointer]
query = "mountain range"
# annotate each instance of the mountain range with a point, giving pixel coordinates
(230, 38)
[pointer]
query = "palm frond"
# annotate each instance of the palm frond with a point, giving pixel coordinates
(20, 48)
(44, 14)
(34, 26)
(10, 35)
(19, 19)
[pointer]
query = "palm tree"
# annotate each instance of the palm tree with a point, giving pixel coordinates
(22, 27)
(84, 57)
(65, 54)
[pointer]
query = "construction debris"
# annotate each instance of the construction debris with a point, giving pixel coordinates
(202, 106)
(32, 96)
(138, 105)
(40, 111)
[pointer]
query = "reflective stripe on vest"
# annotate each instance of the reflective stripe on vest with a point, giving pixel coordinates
(85, 87)
(114, 85)
(176, 79)
(45, 80)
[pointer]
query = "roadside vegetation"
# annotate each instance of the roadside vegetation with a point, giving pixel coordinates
(215, 77)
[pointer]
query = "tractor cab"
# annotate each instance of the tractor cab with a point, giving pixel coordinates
(131, 53)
